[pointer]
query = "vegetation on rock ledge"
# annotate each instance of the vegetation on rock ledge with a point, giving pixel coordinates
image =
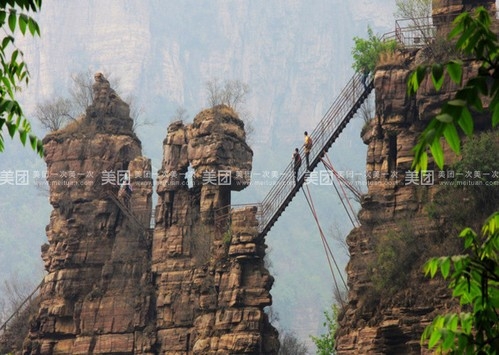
(473, 276)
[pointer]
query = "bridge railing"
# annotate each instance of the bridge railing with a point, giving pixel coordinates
(409, 33)
(20, 308)
(322, 136)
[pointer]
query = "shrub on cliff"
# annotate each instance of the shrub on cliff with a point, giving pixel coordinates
(395, 255)
(63, 112)
(325, 343)
(472, 194)
(367, 52)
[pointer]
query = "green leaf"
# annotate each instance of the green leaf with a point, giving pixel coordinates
(491, 225)
(423, 161)
(466, 322)
(7, 83)
(460, 289)
(12, 20)
(3, 16)
(420, 74)
(23, 22)
(437, 76)
(455, 70)
(445, 118)
(23, 134)
(448, 341)
(39, 147)
(34, 29)
(470, 94)
(12, 128)
(453, 322)
(469, 237)
(495, 116)
(462, 41)
(13, 58)
(457, 102)
(32, 141)
(438, 153)
(434, 338)
(480, 83)
(431, 267)
(465, 121)
(6, 40)
(458, 26)
(445, 267)
(452, 137)
(412, 84)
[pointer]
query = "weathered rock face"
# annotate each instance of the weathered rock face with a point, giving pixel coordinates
(198, 286)
(445, 11)
(207, 263)
(378, 319)
(96, 297)
(396, 226)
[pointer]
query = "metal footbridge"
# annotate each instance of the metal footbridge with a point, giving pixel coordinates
(324, 135)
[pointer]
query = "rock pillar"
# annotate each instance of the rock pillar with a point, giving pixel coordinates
(96, 297)
(211, 282)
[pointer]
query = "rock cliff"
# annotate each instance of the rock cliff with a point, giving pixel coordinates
(390, 301)
(195, 283)
(95, 297)
(211, 281)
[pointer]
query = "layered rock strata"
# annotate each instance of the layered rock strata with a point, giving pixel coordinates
(197, 285)
(207, 262)
(96, 297)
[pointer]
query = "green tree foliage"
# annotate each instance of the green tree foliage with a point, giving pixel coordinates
(366, 52)
(325, 343)
(475, 39)
(474, 277)
(13, 71)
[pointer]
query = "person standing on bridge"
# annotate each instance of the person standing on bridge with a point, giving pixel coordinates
(308, 146)
(296, 163)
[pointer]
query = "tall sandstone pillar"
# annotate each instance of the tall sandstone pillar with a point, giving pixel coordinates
(198, 285)
(96, 297)
(207, 263)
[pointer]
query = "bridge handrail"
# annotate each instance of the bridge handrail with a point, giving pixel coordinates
(340, 111)
(321, 136)
(3, 327)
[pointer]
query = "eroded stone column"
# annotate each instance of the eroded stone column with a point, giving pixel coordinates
(97, 295)
(211, 282)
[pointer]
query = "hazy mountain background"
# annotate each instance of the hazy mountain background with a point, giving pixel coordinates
(295, 55)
